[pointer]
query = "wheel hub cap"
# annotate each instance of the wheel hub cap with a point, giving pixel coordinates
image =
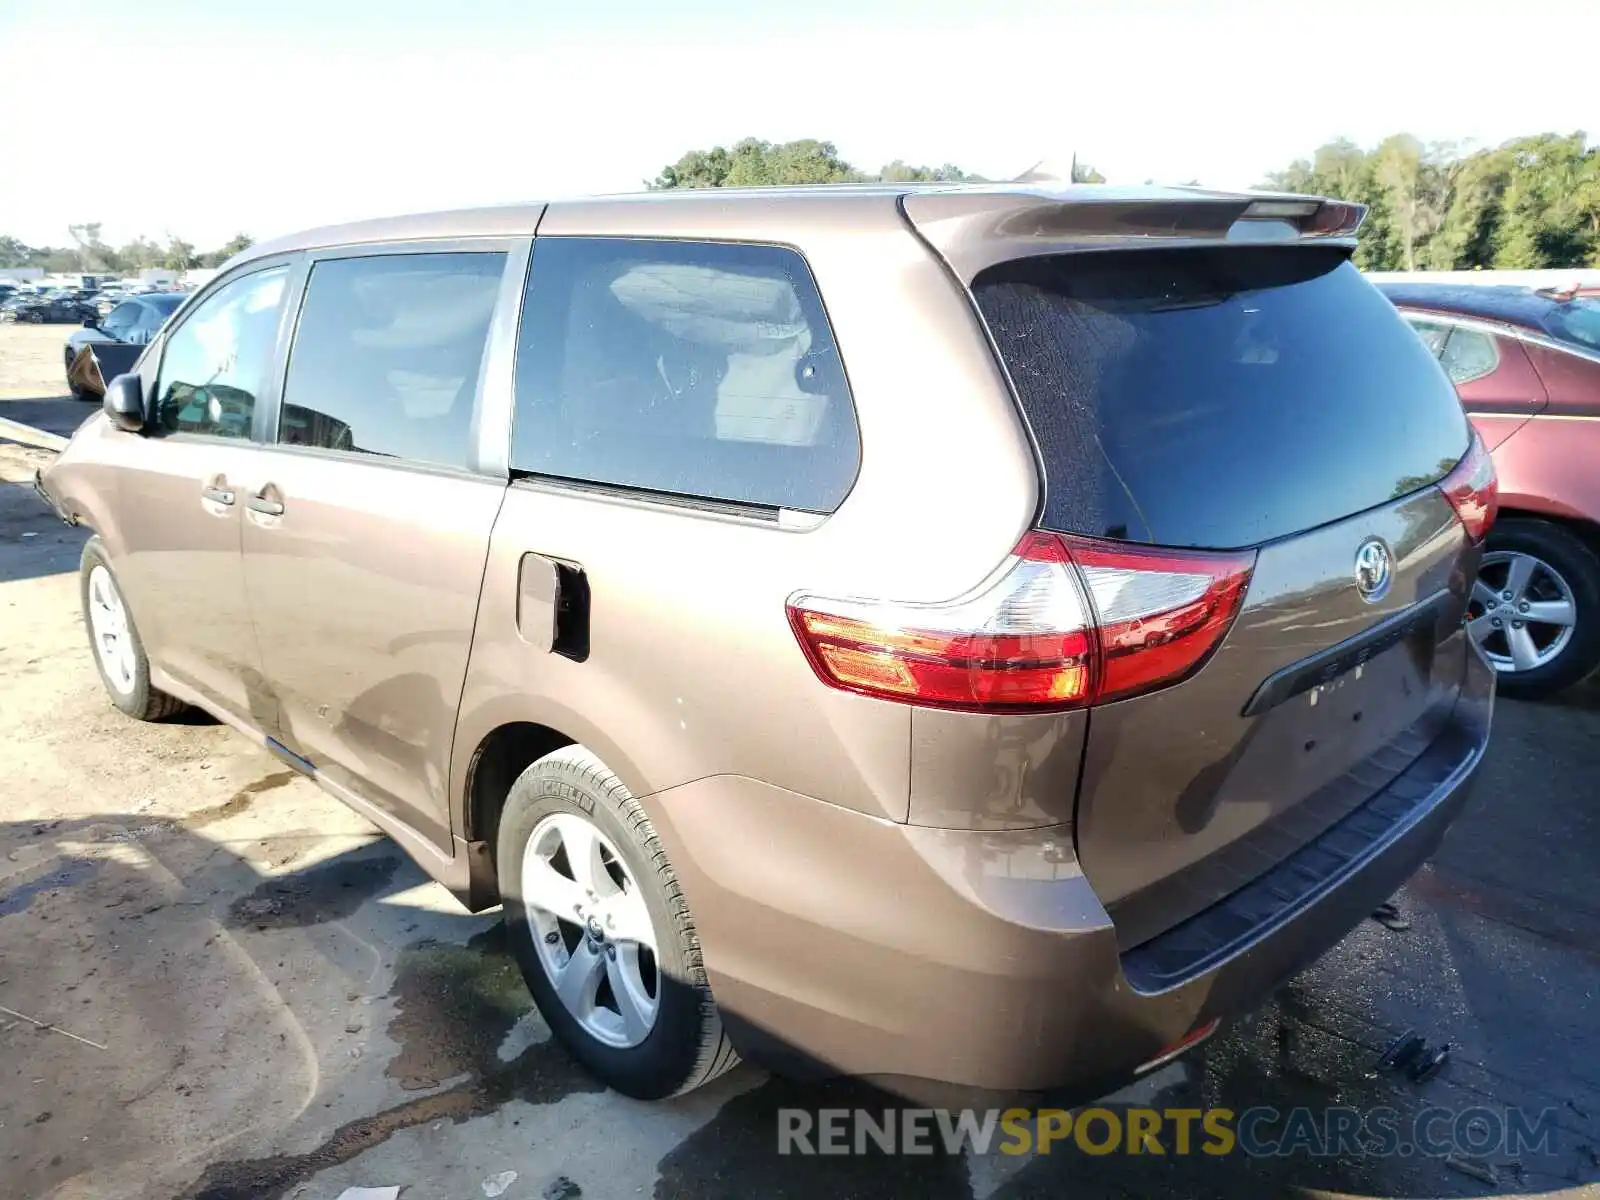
(1521, 612)
(108, 626)
(591, 929)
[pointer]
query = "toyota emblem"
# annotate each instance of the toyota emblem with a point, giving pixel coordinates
(1372, 570)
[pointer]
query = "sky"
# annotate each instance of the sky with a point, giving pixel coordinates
(205, 118)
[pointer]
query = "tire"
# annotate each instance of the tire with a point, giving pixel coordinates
(685, 1045)
(1568, 571)
(129, 687)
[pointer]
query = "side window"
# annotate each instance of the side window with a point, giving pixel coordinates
(213, 365)
(120, 321)
(1434, 334)
(387, 353)
(1468, 355)
(698, 369)
(148, 325)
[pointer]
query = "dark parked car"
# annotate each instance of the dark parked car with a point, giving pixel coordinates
(56, 308)
(107, 346)
(1526, 365)
(986, 634)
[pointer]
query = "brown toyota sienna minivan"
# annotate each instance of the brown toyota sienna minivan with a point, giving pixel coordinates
(974, 634)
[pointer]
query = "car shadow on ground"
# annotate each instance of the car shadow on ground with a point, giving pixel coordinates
(37, 542)
(60, 415)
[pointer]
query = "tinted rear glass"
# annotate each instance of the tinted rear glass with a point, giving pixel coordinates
(1220, 397)
(1576, 322)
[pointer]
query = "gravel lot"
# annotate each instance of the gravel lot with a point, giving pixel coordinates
(280, 1005)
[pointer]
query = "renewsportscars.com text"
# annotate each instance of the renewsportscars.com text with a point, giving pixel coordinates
(1258, 1132)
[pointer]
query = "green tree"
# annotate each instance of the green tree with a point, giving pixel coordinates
(1533, 202)
(140, 254)
(752, 162)
(237, 244)
(93, 254)
(179, 255)
(1549, 215)
(756, 163)
(1465, 238)
(14, 252)
(900, 171)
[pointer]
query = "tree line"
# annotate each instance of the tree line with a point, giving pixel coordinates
(89, 253)
(1529, 203)
(1532, 202)
(755, 163)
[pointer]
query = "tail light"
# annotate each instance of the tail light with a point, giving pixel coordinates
(1065, 622)
(1473, 490)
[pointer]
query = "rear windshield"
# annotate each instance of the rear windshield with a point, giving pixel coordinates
(1220, 397)
(1576, 322)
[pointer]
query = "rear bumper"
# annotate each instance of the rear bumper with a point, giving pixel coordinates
(841, 944)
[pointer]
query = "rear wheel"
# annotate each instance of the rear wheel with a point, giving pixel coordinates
(1535, 608)
(601, 930)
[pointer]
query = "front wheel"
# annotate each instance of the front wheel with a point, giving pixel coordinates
(1535, 607)
(118, 652)
(601, 931)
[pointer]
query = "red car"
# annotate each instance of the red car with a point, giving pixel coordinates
(1526, 365)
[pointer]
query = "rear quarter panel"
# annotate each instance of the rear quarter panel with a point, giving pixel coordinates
(1552, 462)
(693, 670)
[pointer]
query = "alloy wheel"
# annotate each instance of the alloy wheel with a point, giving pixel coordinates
(108, 621)
(1521, 613)
(591, 929)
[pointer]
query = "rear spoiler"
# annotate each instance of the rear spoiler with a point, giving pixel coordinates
(977, 228)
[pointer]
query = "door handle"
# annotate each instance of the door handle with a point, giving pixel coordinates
(217, 495)
(259, 503)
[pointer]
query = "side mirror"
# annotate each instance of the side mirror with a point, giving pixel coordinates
(91, 320)
(124, 402)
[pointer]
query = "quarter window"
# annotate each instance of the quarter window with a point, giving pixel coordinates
(387, 355)
(705, 370)
(1469, 355)
(1433, 333)
(215, 362)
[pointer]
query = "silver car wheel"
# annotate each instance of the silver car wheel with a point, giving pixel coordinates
(1521, 612)
(108, 621)
(591, 929)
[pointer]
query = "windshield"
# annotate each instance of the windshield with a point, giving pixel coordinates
(166, 303)
(1576, 322)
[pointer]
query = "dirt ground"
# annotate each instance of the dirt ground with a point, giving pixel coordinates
(269, 1000)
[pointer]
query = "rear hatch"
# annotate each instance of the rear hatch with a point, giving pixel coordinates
(1264, 399)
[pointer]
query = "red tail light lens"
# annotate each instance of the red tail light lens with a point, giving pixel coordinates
(1160, 613)
(1064, 622)
(1473, 490)
(1334, 218)
(1020, 641)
